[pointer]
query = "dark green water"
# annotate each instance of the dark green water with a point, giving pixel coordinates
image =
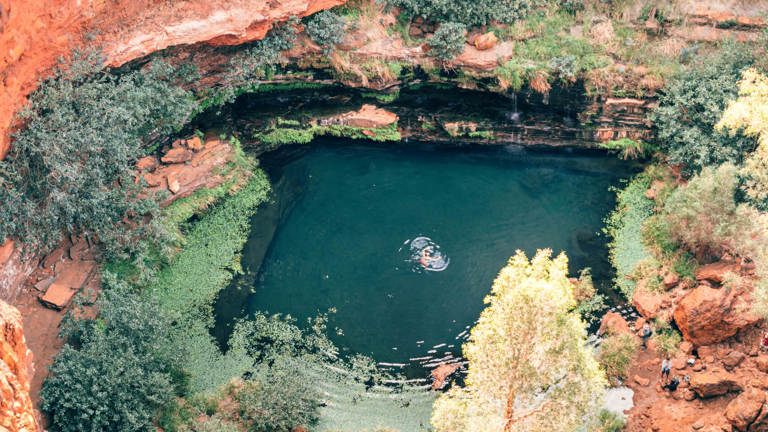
(343, 213)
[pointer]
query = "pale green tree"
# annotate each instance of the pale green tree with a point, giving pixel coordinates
(749, 114)
(529, 366)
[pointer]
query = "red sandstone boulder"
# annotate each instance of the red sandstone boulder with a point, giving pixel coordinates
(173, 183)
(762, 363)
(642, 381)
(648, 304)
(195, 144)
(486, 41)
(733, 359)
(147, 163)
(713, 383)
(671, 280)
(16, 369)
(57, 296)
(152, 179)
(488, 59)
(716, 272)
(761, 422)
(708, 315)
(177, 155)
(743, 411)
(369, 116)
(613, 323)
(686, 347)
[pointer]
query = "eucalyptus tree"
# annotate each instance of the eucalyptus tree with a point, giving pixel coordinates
(529, 366)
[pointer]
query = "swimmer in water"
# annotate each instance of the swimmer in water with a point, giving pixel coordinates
(426, 257)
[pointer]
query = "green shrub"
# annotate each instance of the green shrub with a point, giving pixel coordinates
(691, 105)
(326, 29)
(279, 398)
(589, 304)
(572, 6)
(608, 421)
(566, 68)
(667, 338)
(625, 228)
(187, 287)
(705, 217)
(254, 63)
(113, 374)
(685, 265)
(70, 169)
(448, 41)
(616, 353)
(211, 253)
(657, 235)
(629, 148)
(468, 12)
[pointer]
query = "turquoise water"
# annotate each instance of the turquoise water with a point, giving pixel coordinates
(346, 216)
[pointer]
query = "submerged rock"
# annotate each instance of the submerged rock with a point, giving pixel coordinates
(442, 372)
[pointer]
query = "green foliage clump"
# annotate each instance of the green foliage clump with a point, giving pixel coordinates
(326, 28)
(468, 12)
(448, 41)
(275, 134)
(70, 169)
(566, 68)
(254, 64)
(692, 104)
(608, 421)
(279, 398)
(705, 217)
(629, 148)
(625, 227)
(616, 353)
(589, 303)
(210, 255)
(667, 338)
(186, 288)
(115, 371)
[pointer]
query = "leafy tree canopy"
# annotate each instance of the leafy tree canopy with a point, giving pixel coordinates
(750, 114)
(70, 168)
(529, 367)
(114, 372)
(468, 12)
(692, 104)
(448, 41)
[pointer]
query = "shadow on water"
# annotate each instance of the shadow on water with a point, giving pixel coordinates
(339, 212)
(232, 301)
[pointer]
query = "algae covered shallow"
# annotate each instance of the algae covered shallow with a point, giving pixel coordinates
(347, 218)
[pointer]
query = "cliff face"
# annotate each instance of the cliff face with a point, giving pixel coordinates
(16, 409)
(34, 34)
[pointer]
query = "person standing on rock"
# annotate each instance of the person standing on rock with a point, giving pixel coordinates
(764, 342)
(645, 333)
(665, 368)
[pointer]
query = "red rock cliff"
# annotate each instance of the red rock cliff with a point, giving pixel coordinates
(34, 34)
(16, 409)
